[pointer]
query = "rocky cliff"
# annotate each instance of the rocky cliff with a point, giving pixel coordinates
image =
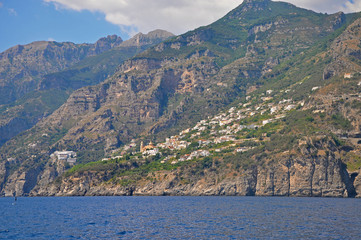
(52, 89)
(345, 51)
(308, 172)
(21, 67)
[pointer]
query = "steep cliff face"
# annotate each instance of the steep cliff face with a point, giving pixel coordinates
(309, 172)
(346, 52)
(355, 177)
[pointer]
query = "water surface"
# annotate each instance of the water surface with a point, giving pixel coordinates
(180, 218)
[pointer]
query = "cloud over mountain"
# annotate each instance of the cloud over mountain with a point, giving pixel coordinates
(182, 15)
(139, 15)
(329, 6)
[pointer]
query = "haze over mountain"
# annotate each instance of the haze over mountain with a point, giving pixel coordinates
(273, 88)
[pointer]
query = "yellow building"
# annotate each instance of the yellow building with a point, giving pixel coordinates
(145, 148)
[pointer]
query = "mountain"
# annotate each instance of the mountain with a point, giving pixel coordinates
(275, 73)
(21, 67)
(80, 68)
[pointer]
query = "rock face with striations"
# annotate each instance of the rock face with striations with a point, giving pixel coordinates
(356, 176)
(307, 175)
(344, 49)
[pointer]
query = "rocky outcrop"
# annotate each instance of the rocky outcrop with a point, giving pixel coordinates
(317, 171)
(346, 52)
(150, 38)
(106, 43)
(3, 173)
(356, 179)
(300, 179)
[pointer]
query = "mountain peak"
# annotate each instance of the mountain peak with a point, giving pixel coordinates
(141, 39)
(251, 6)
(107, 43)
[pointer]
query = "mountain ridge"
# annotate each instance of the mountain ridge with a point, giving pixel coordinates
(39, 102)
(44, 57)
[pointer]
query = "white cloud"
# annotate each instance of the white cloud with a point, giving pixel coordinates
(146, 15)
(51, 39)
(355, 6)
(329, 6)
(12, 12)
(181, 15)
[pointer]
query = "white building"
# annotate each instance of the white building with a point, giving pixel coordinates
(151, 152)
(290, 107)
(274, 109)
(223, 139)
(69, 156)
(264, 122)
(242, 149)
(347, 75)
(315, 88)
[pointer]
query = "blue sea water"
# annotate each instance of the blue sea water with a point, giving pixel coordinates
(180, 218)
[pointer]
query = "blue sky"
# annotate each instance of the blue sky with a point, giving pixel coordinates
(25, 21)
(79, 21)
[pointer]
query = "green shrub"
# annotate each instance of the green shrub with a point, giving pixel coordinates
(340, 122)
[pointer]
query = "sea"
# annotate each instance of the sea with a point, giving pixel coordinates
(179, 218)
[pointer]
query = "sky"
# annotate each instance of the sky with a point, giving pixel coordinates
(85, 21)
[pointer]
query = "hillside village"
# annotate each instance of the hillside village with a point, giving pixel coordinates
(227, 131)
(237, 130)
(230, 131)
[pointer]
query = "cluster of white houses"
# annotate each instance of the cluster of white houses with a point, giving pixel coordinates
(173, 143)
(222, 128)
(192, 155)
(187, 157)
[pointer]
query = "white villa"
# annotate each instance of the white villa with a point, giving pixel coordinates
(69, 156)
(151, 152)
(347, 75)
